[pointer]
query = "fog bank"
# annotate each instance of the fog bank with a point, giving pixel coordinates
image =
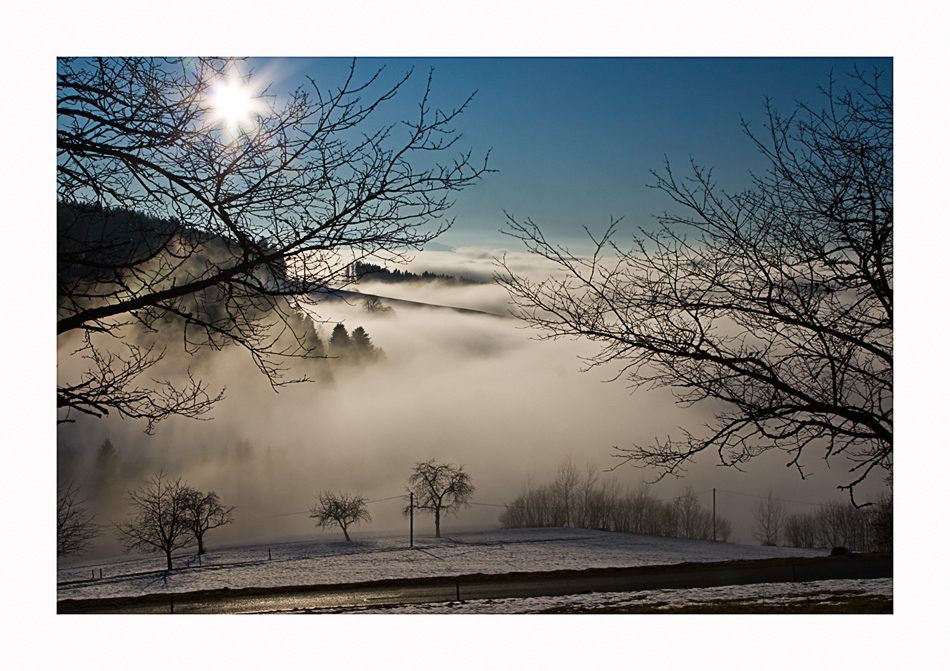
(473, 389)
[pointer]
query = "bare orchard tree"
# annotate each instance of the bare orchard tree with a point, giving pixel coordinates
(440, 489)
(774, 304)
(174, 211)
(75, 527)
(205, 512)
(768, 520)
(160, 518)
(342, 509)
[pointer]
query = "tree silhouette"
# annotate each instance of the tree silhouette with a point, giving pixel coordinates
(160, 519)
(174, 227)
(363, 347)
(108, 490)
(374, 305)
(75, 528)
(882, 522)
(205, 512)
(440, 489)
(775, 303)
(340, 342)
(768, 520)
(341, 510)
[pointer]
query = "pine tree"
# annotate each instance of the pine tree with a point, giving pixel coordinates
(108, 491)
(339, 341)
(363, 347)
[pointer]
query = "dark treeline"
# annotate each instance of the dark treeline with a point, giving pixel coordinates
(115, 367)
(369, 271)
(99, 244)
(840, 524)
(586, 501)
(355, 347)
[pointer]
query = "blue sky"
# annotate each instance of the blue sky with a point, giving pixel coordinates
(574, 139)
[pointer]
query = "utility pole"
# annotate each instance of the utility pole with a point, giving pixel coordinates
(410, 518)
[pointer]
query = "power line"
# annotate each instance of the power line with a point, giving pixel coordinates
(401, 496)
(759, 496)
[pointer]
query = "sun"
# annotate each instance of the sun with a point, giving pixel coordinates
(233, 104)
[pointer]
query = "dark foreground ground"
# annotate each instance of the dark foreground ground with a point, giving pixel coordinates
(519, 585)
(804, 603)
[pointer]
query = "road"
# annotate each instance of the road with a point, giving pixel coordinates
(480, 586)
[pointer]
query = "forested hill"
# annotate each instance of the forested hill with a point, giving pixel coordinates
(369, 271)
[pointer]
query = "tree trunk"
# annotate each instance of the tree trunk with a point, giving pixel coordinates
(438, 534)
(201, 544)
(168, 559)
(345, 533)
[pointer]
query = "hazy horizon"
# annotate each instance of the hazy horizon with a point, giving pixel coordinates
(462, 387)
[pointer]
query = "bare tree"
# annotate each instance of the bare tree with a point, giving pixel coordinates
(638, 504)
(374, 305)
(160, 520)
(170, 215)
(205, 512)
(800, 531)
(775, 303)
(602, 505)
(723, 528)
(694, 522)
(842, 525)
(882, 523)
(440, 489)
(75, 528)
(769, 520)
(533, 507)
(567, 484)
(341, 510)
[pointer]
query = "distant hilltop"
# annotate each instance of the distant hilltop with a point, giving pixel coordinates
(368, 271)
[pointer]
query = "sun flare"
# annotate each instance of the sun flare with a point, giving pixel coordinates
(233, 103)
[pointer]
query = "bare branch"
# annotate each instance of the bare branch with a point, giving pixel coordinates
(168, 221)
(775, 303)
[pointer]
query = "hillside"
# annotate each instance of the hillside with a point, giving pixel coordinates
(331, 560)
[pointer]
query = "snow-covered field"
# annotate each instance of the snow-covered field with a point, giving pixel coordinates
(377, 557)
(770, 593)
(465, 641)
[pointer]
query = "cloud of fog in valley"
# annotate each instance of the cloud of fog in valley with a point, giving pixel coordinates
(472, 389)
